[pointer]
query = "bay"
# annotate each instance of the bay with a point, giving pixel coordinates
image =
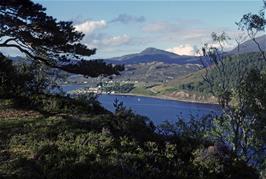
(160, 110)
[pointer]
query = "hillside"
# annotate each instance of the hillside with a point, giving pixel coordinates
(250, 46)
(193, 87)
(151, 66)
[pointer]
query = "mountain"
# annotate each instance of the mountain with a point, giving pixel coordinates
(154, 55)
(250, 46)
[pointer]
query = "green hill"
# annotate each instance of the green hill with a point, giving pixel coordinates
(193, 87)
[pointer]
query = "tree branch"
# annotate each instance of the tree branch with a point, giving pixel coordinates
(28, 53)
(9, 40)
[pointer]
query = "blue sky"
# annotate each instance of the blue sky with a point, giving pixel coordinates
(121, 27)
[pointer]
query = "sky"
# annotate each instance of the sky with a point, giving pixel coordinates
(117, 28)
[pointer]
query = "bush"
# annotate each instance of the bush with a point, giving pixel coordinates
(53, 104)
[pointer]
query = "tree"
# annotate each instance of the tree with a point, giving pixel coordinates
(24, 25)
(253, 24)
(7, 74)
(240, 91)
(26, 80)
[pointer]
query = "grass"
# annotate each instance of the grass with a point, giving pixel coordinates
(175, 85)
(72, 146)
(142, 90)
(30, 140)
(102, 145)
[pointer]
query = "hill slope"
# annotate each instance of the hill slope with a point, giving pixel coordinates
(250, 46)
(193, 87)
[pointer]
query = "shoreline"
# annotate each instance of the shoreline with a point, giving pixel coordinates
(163, 97)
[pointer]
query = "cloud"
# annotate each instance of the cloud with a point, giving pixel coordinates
(173, 26)
(108, 45)
(189, 22)
(160, 26)
(116, 40)
(125, 19)
(89, 26)
(104, 40)
(169, 33)
(95, 39)
(183, 50)
(172, 33)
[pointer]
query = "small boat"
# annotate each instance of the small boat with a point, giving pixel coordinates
(138, 99)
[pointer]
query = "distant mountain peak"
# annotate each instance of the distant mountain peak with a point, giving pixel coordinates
(151, 50)
(154, 55)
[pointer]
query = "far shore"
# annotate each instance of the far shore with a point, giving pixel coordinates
(165, 98)
(160, 97)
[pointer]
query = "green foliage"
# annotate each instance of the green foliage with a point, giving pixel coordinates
(254, 100)
(7, 73)
(22, 81)
(238, 85)
(52, 104)
(235, 69)
(29, 86)
(82, 140)
(130, 122)
(195, 128)
(123, 145)
(211, 158)
(216, 162)
(236, 81)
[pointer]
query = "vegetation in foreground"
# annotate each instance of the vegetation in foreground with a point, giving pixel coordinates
(53, 136)
(34, 145)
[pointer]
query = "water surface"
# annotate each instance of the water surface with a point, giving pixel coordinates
(159, 110)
